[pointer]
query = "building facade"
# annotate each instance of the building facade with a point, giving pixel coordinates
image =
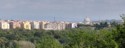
(4, 25)
(26, 25)
(55, 26)
(15, 24)
(42, 24)
(35, 25)
(71, 25)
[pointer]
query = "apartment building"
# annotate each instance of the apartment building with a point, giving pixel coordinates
(26, 25)
(15, 24)
(46, 25)
(42, 24)
(4, 25)
(55, 26)
(71, 25)
(35, 25)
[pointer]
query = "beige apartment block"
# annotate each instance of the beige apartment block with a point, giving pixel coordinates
(26, 25)
(35, 25)
(55, 26)
(15, 24)
(4, 25)
(42, 24)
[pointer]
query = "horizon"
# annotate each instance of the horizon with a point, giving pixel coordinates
(63, 20)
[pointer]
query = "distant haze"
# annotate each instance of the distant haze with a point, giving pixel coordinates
(62, 10)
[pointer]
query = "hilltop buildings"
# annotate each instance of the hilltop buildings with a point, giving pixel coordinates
(46, 25)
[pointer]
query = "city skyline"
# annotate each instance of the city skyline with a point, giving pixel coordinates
(62, 10)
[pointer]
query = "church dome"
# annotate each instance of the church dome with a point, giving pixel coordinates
(87, 19)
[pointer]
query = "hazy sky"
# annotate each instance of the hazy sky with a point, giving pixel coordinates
(66, 10)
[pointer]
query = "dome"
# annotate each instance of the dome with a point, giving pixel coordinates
(87, 19)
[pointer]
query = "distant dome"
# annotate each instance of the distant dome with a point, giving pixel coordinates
(87, 21)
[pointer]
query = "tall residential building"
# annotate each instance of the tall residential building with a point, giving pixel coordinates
(42, 24)
(71, 25)
(35, 25)
(4, 25)
(26, 25)
(55, 26)
(15, 24)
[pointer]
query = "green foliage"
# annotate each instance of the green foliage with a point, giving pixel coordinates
(70, 38)
(24, 44)
(48, 42)
(101, 25)
(120, 35)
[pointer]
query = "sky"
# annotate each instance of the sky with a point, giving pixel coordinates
(62, 10)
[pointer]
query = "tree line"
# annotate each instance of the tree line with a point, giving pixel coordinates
(113, 37)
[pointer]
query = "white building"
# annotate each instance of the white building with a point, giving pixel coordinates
(4, 25)
(42, 24)
(71, 25)
(55, 26)
(35, 25)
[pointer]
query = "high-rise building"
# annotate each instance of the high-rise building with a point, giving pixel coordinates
(35, 25)
(42, 24)
(55, 26)
(71, 25)
(15, 24)
(26, 25)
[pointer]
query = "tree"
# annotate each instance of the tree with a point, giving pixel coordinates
(120, 33)
(3, 41)
(101, 25)
(48, 42)
(122, 16)
(24, 44)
